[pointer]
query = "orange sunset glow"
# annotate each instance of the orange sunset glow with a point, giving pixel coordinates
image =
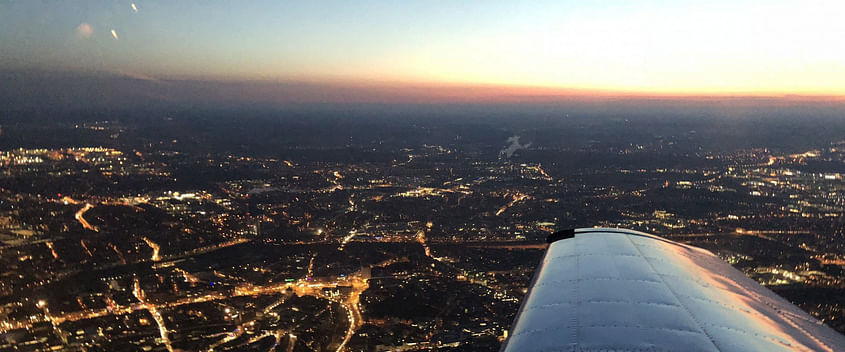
(465, 51)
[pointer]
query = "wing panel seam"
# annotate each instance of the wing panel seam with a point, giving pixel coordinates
(672, 291)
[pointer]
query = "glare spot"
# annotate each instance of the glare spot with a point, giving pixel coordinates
(114, 34)
(84, 30)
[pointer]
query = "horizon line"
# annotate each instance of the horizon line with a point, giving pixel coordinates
(438, 91)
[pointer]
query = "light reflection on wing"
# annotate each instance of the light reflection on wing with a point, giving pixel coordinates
(612, 289)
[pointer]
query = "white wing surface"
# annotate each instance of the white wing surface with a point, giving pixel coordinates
(622, 290)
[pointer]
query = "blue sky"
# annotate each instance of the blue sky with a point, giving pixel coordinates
(661, 47)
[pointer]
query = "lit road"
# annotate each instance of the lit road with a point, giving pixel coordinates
(543, 172)
(80, 213)
(302, 288)
(155, 248)
(516, 198)
(421, 239)
(138, 292)
(352, 305)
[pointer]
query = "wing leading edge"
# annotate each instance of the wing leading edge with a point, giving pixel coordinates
(622, 290)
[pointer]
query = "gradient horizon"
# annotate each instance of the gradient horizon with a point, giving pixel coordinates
(542, 48)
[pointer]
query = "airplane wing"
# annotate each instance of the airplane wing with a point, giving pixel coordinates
(621, 290)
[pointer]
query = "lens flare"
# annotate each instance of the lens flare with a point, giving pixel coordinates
(84, 30)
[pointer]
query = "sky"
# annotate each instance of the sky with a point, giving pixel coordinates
(527, 48)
